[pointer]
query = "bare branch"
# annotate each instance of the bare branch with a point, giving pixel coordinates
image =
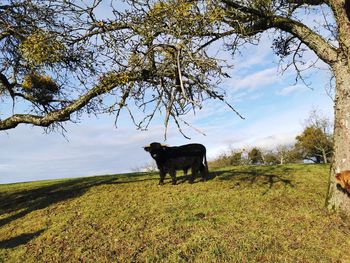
(62, 114)
(265, 21)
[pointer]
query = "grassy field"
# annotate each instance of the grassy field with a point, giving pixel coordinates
(242, 214)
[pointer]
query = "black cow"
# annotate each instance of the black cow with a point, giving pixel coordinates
(170, 159)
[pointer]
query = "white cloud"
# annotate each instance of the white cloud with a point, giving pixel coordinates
(255, 80)
(291, 89)
(272, 141)
(255, 55)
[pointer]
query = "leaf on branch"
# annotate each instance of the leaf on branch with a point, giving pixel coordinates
(42, 47)
(43, 88)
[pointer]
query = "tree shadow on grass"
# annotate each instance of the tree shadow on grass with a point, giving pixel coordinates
(22, 202)
(19, 203)
(259, 177)
(19, 240)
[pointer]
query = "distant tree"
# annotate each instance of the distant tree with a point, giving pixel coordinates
(282, 153)
(255, 156)
(236, 157)
(270, 157)
(293, 156)
(219, 161)
(316, 142)
(314, 145)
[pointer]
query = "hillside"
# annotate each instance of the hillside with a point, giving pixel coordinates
(242, 214)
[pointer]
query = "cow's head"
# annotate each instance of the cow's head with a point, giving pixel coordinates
(343, 179)
(155, 148)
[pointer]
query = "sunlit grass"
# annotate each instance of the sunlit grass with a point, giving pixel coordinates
(243, 214)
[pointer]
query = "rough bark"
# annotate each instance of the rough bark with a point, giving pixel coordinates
(337, 198)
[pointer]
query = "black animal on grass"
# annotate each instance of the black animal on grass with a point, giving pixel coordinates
(184, 157)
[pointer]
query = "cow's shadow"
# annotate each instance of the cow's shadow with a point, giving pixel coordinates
(181, 179)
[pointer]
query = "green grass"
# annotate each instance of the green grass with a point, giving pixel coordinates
(243, 214)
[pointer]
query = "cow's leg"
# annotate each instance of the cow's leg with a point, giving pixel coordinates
(203, 172)
(185, 171)
(194, 169)
(173, 176)
(162, 176)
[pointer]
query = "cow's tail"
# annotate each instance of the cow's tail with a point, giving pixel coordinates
(206, 165)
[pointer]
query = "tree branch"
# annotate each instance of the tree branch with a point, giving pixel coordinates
(267, 21)
(311, 39)
(64, 113)
(8, 86)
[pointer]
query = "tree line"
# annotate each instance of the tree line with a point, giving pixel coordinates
(314, 144)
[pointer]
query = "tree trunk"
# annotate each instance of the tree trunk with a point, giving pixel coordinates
(338, 199)
(324, 156)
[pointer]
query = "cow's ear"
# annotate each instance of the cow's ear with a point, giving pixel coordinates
(147, 148)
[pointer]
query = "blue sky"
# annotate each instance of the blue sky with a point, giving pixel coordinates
(274, 110)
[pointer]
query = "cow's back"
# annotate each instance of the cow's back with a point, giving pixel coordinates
(192, 149)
